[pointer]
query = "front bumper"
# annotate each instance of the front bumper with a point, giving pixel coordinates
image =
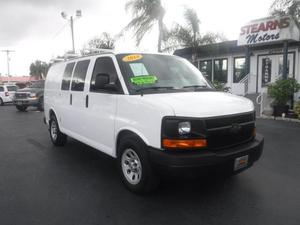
(206, 158)
(26, 101)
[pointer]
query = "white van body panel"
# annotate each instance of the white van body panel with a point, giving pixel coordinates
(203, 103)
(142, 115)
(52, 93)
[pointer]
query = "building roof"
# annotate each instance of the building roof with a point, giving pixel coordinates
(223, 48)
(18, 79)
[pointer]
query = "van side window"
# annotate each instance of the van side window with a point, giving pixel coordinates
(65, 85)
(1, 89)
(105, 65)
(79, 75)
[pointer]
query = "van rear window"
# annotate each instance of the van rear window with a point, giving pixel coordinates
(65, 85)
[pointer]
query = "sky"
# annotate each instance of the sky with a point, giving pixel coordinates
(34, 29)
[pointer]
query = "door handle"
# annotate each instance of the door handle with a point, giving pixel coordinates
(71, 99)
(86, 101)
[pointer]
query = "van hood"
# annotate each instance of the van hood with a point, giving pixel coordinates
(203, 104)
(31, 90)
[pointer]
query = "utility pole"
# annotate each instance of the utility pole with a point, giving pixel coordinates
(8, 59)
(71, 19)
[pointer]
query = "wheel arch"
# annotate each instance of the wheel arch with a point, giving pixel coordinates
(128, 132)
(52, 112)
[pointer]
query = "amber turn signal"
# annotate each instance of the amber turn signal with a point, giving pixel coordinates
(254, 132)
(194, 143)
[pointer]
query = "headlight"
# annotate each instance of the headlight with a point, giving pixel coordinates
(32, 95)
(184, 128)
(183, 133)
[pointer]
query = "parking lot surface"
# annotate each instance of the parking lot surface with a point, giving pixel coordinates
(42, 184)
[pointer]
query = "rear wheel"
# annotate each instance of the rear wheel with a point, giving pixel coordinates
(57, 137)
(1, 102)
(21, 108)
(134, 166)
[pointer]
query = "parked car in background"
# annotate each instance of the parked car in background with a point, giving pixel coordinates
(33, 95)
(7, 92)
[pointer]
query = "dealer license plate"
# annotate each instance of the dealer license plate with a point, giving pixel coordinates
(241, 162)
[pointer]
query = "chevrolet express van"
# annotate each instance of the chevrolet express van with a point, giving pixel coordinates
(152, 112)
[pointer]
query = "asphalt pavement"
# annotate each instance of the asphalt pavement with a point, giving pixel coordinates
(76, 185)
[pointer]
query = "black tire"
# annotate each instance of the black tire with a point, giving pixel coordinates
(21, 108)
(1, 102)
(41, 104)
(148, 181)
(57, 138)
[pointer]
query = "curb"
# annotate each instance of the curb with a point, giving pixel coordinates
(279, 118)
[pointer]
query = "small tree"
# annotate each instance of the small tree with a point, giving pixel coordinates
(39, 69)
(104, 41)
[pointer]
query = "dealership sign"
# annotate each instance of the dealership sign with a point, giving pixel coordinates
(268, 30)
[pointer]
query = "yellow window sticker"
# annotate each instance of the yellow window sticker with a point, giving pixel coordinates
(132, 58)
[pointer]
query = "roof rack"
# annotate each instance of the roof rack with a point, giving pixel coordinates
(94, 51)
(85, 52)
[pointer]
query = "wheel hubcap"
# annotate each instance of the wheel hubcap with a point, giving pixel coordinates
(53, 130)
(131, 166)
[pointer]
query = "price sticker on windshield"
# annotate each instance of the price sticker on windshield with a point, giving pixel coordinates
(141, 80)
(132, 58)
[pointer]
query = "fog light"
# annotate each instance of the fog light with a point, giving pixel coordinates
(184, 128)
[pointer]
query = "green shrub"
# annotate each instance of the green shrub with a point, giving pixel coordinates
(283, 90)
(297, 109)
(220, 86)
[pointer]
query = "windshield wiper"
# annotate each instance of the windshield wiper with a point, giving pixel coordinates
(198, 87)
(153, 88)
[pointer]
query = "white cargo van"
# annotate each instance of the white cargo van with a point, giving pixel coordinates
(152, 112)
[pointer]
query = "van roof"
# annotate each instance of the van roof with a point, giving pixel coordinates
(108, 53)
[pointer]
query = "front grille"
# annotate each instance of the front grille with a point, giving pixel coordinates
(231, 130)
(20, 95)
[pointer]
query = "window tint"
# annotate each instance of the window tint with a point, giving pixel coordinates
(79, 75)
(220, 70)
(1, 89)
(239, 69)
(105, 65)
(206, 69)
(65, 85)
(12, 88)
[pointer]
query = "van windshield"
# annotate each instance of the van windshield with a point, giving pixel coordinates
(152, 73)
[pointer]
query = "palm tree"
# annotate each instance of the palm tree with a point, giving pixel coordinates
(286, 7)
(193, 23)
(188, 35)
(146, 13)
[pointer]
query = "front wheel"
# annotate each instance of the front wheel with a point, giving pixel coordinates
(57, 137)
(1, 102)
(21, 108)
(134, 166)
